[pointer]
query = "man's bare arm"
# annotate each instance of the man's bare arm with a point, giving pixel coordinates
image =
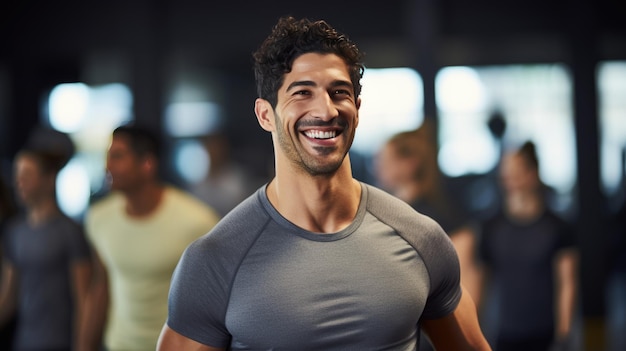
(8, 292)
(567, 284)
(458, 331)
(95, 308)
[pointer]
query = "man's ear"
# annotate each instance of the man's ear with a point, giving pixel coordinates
(264, 114)
(150, 164)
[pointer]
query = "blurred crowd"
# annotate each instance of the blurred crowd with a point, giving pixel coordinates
(102, 283)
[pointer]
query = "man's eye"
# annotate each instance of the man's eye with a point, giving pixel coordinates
(301, 92)
(342, 92)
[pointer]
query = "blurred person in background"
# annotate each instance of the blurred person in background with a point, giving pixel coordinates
(226, 183)
(47, 265)
(139, 231)
(529, 253)
(406, 166)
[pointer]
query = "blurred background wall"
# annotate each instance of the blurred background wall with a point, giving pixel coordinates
(488, 74)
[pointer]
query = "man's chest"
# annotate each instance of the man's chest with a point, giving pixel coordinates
(348, 292)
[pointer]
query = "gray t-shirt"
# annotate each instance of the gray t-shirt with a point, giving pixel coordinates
(42, 257)
(259, 282)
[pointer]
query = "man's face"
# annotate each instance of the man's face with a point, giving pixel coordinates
(316, 114)
(31, 184)
(124, 168)
(516, 176)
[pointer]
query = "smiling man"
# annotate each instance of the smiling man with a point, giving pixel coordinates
(316, 260)
(319, 106)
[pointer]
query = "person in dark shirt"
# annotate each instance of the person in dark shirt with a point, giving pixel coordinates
(46, 265)
(530, 254)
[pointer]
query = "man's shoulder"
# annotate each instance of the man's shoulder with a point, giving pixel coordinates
(378, 196)
(413, 226)
(180, 196)
(389, 208)
(104, 205)
(67, 224)
(375, 193)
(14, 226)
(187, 202)
(246, 220)
(105, 212)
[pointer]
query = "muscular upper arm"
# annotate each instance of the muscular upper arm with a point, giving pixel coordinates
(459, 330)
(173, 341)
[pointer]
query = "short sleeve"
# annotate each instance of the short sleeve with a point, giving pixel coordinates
(443, 268)
(432, 244)
(567, 235)
(77, 245)
(197, 298)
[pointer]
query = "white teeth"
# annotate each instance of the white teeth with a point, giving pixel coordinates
(317, 134)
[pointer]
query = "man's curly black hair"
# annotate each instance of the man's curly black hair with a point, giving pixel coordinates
(291, 38)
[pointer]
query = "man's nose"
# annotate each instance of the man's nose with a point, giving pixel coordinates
(324, 107)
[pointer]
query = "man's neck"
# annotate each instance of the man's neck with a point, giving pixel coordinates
(321, 204)
(524, 207)
(144, 200)
(42, 212)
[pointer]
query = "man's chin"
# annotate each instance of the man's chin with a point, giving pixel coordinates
(324, 170)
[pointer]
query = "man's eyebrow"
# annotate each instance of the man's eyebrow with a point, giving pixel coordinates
(301, 83)
(309, 83)
(339, 83)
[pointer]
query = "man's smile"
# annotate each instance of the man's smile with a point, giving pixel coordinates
(320, 134)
